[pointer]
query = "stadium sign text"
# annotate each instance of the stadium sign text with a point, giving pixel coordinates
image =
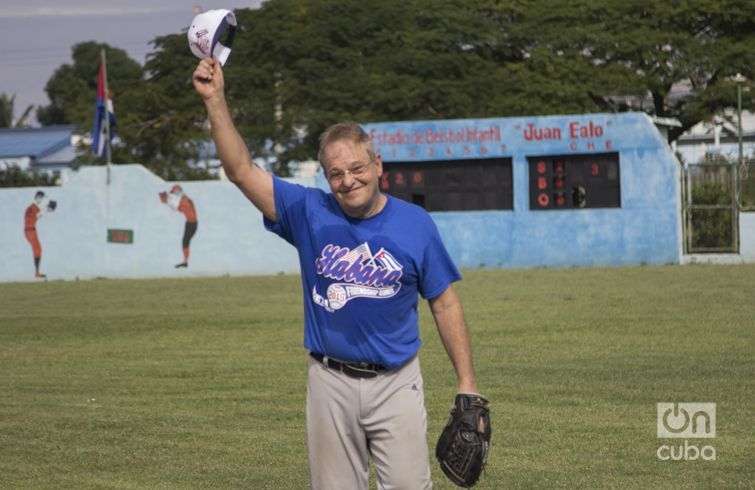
(576, 131)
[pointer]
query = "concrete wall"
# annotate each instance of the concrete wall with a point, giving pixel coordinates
(231, 238)
(747, 236)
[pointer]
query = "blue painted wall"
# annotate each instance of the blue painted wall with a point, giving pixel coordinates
(232, 240)
(646, 229)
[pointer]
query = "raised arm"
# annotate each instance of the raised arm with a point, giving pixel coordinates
(255, 183)
(449, 318)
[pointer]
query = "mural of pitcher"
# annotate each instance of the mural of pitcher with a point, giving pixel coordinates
(178, 201)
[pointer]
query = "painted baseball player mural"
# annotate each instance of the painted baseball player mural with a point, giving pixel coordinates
(33, 212)
(178, 201)
(365, 258)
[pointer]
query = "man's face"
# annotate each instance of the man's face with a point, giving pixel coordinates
(353, 177)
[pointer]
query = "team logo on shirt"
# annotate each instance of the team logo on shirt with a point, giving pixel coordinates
(361, 273)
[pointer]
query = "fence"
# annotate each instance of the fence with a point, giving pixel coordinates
(710, 208)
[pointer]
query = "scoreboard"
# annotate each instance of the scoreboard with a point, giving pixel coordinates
(451, 185)
(574, 181)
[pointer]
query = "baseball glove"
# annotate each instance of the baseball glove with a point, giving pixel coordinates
(462, 448)
(52, 205)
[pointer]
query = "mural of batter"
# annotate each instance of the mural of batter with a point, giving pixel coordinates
(180, 202)
(33, 212)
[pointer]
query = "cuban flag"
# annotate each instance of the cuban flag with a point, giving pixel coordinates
(103, 101)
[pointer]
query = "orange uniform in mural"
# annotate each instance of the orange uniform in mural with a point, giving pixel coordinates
(186, 206)
(30, 229)
(31, 216)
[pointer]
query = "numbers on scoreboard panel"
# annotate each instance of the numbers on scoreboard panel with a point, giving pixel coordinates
(574, 181)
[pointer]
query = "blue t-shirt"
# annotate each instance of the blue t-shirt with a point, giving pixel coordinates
(360, 277)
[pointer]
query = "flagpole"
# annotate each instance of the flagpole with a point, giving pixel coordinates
(108, 156)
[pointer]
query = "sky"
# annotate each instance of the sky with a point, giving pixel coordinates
(37, 35)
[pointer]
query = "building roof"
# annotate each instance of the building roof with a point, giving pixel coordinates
(34, 142)
(727, 124)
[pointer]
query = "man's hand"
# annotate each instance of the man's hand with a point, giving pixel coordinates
(208, 79)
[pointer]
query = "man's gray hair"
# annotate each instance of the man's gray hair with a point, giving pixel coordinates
(349, 131)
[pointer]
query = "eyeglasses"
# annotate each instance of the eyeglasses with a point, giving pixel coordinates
(336, 176)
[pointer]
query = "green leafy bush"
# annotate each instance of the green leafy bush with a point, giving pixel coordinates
(13, 176)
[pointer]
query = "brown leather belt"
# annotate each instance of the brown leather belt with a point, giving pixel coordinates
(353, 369)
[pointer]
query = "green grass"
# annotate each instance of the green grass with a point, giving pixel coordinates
(200, 382)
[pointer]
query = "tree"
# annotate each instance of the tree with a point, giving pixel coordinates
(7, 106)
(164, 124)
(72, 87)
(146, 111)
(307, 64)
(300, 65)
(657, 45)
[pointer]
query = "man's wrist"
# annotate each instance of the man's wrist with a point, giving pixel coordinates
(215, 102)
(467, 387)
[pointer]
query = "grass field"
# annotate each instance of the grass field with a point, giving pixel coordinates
(200, 382)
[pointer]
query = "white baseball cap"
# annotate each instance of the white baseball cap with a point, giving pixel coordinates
(206, 31)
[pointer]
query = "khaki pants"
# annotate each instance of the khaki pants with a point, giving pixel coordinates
(350, 421)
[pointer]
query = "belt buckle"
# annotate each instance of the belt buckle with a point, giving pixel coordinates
(361, 368)
(352, 369)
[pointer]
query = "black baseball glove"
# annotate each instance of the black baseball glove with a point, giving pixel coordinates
(463, 445)
(51, 205)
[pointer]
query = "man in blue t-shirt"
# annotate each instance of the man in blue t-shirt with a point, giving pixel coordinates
(364, 257)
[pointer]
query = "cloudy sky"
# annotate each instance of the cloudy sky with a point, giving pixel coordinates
(37, 35)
